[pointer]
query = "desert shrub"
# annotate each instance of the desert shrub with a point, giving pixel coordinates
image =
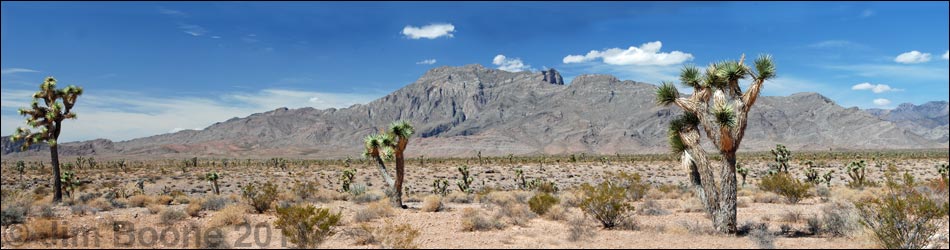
(792, 216)
(260, 198)
(215, 203)
(472, 220)
(635, 188)
(570, 199)
(164, 200)
(762, 238)
(766, 197)
(743, 202)
(784, 184)
(540, 203)
(432, 203)
(140, 200)
(396, 236)
(46, 229)
(517, 213)
(697, 228)
(556, 213)
(362, 235)
(459, 197)
(45, 211)
(155, 208)
(306, 226)
(824, 193)
(193, 209)
(374, 211)
(542, 185)
(902, 217)
(80, 209)
(367, 197)
(101, 204)
(692, 206)
(182, 199)
(606, 202)
(813, 224)
(305, 190)
(579, 229)
(13, 214)
(652, 208)
(229, 216)
(171, 216)
(837, 219)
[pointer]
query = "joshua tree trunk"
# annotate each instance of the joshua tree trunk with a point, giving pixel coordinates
(382, 171)
(57, 184)
(400, 173)
(726, 216)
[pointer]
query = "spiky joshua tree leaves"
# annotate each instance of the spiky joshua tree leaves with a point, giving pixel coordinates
(49, 108)
(720, 108)
(391, 144)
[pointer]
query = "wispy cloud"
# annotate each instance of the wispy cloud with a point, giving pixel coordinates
(882, 102)
(127, 115)
(427, 61)
(9, 71)
(510, 64)
(867, 13)
(431, 31)
(837, 44)
(912, 57)
(171, 12)
(876, 88)
(191, 29)
(922, 72)
(946, 55)
(646, 54)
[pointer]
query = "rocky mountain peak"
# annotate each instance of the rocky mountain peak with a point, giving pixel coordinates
(553, 77)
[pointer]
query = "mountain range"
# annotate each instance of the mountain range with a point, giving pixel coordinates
(459, 111)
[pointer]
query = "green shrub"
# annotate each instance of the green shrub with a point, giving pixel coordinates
(306, 226)
(541, 202)
(606, 202)
(784, 184)
(634, 187)
(902, 217)
(260, 197)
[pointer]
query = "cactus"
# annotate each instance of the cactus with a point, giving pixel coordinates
(213, 179)
(719, 105)
(743, 172)
(346, 179)
(20, 168)
(782, 156)
(57, 105)
(856, 171)
(465, 183)
(827, 177)
(440, 187)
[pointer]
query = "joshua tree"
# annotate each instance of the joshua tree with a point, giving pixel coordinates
(744, 172)
(70, 182)
(782, 156)
(346, 179)
(49, 119)
(465, 184)
(20, 168)
(391, 145)
(213, 179)
(720, 106)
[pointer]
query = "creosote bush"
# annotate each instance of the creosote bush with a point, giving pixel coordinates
(260, 197)
(540, 203)
(306, 226)
(606, 202)
(784, 184)
(902, 217)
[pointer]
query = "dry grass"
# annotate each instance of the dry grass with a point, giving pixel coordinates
(193, 209)
(101, 204)
(556, 213)
(171, 216)
(432, 203)
(766, 197)
(163, 200)
(140, 200)
(155, 208)
(229, 216)
(396, 236)
(373, 211)
(473, 220)
(46, 229)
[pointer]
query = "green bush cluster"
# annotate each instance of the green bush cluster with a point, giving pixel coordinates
(306, 226)
(785, 185)
(260, 198)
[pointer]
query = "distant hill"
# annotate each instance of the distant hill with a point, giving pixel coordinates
(929, 120)
(458, 111)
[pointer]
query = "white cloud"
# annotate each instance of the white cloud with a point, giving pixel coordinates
(120, 116)
(427, 61)
(921, 72)
(171, 12)
(191, 29)
(867, 13)
(882, 102)
(946, 55)
(510, 64)
(646, 54)
(8, 71)
(835, 44)
(913, 57)
(876, 88)
(431, 31)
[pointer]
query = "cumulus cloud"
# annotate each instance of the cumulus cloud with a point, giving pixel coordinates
(646, 54)
(9, 71)
(882, 102)
(913, 57)
(431, 31)
(427, 61)
(876, 88)
(121, 115)
(510, 64)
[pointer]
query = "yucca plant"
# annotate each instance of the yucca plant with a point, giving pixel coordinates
(57, 106)
(20, 168)
(391, 145)
(213, 179)
(346, 179)
(721, 108)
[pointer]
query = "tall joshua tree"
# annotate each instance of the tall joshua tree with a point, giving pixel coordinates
(48, 117)
(391, 145)
(721, 108)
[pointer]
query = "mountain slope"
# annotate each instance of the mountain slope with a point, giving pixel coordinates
(458, 111)
(929, 120)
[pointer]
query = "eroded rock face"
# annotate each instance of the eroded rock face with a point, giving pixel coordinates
(458, 111)
(553, 77)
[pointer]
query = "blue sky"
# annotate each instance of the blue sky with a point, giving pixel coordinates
(154, 67)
